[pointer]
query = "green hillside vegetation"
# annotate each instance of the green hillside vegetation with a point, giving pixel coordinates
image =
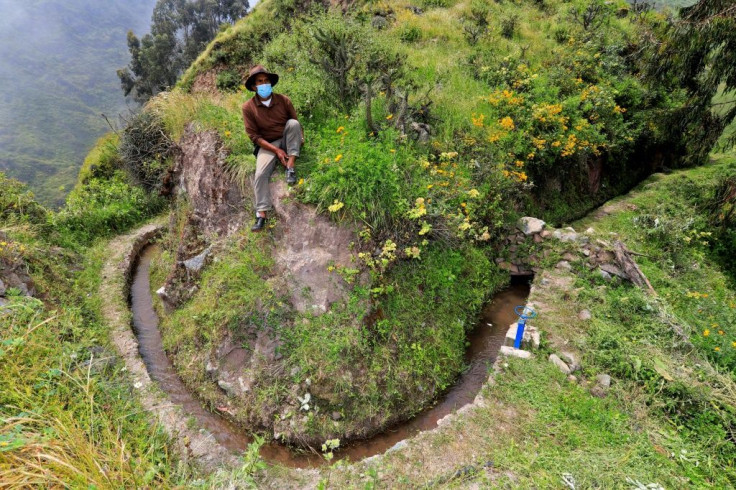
(509, 132)
(522, 108)
(57, 67)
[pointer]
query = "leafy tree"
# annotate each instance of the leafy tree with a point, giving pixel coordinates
(698, 52)
(180, 29)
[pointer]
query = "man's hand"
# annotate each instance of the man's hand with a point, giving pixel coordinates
(281, 154)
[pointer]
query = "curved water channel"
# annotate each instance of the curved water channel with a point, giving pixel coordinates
(485, 341)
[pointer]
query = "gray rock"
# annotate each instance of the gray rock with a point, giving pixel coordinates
(605, 275)
(564, 264)
(603, 380)
(566, 235)
(227, 387)
(421, 131)
(570, 360)
(559, 363)
(511, 352)
(572, 378)
(585, 315)
(196, 263)
(598, 391)
(2, 288)
(613, 270)
(336, 416)
(530, 226)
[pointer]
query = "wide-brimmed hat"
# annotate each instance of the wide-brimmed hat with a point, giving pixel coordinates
(255, 71)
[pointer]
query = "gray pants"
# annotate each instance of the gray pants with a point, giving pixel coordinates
(291, 142)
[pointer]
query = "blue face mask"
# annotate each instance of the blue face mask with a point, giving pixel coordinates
(264, 90)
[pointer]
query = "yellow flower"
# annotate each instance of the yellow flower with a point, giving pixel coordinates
(430, 186)
(733, 344)
(301, 182)
(390, 116)
(478, 120)
(338, 157)
(227, 134)
(507, 123)
(706, 332)
(340, 129)
(717, 349)
(721, 332)
(336, 206)
(473, 193)
(392, 150)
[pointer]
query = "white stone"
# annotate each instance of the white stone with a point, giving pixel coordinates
(559, 363)
(531, 337)
(603, 380)
(511, 352)
(564, 264)
(570, 360)
(530, 226)
(585, 315)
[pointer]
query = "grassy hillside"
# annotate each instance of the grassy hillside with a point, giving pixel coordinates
(528, 109)
(451, 120)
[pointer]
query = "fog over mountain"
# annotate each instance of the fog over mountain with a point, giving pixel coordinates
(57, 74)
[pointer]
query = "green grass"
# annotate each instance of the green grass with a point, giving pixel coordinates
(67, 416)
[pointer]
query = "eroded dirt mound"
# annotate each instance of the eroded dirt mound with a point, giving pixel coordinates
(307, 245)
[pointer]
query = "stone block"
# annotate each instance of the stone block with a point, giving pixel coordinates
(531, 337)
(559, 363)
(529, 225)
(511, 352)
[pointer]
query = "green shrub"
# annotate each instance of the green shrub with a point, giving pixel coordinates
(145, 148)
(17, 204)
(409, 33)
(229, 81)
(102, 161)
(105, 207)
(509, 26)
(436, 3)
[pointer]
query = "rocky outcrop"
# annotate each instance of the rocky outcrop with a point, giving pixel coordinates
(309, 249)
(216, 209)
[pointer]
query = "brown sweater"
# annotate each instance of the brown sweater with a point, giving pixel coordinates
(267, 122)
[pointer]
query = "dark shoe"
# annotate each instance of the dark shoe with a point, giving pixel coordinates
(290, 176)
(259, 224)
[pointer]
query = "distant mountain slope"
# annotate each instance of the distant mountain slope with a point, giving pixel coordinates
(57, 73)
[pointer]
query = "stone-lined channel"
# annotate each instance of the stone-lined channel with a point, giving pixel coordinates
(485, 341)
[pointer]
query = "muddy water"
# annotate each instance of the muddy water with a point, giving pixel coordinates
(485, 341)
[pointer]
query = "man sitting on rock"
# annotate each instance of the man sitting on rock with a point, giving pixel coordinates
(271, 124)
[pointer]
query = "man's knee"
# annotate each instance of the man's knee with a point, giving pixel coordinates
(293, 124)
